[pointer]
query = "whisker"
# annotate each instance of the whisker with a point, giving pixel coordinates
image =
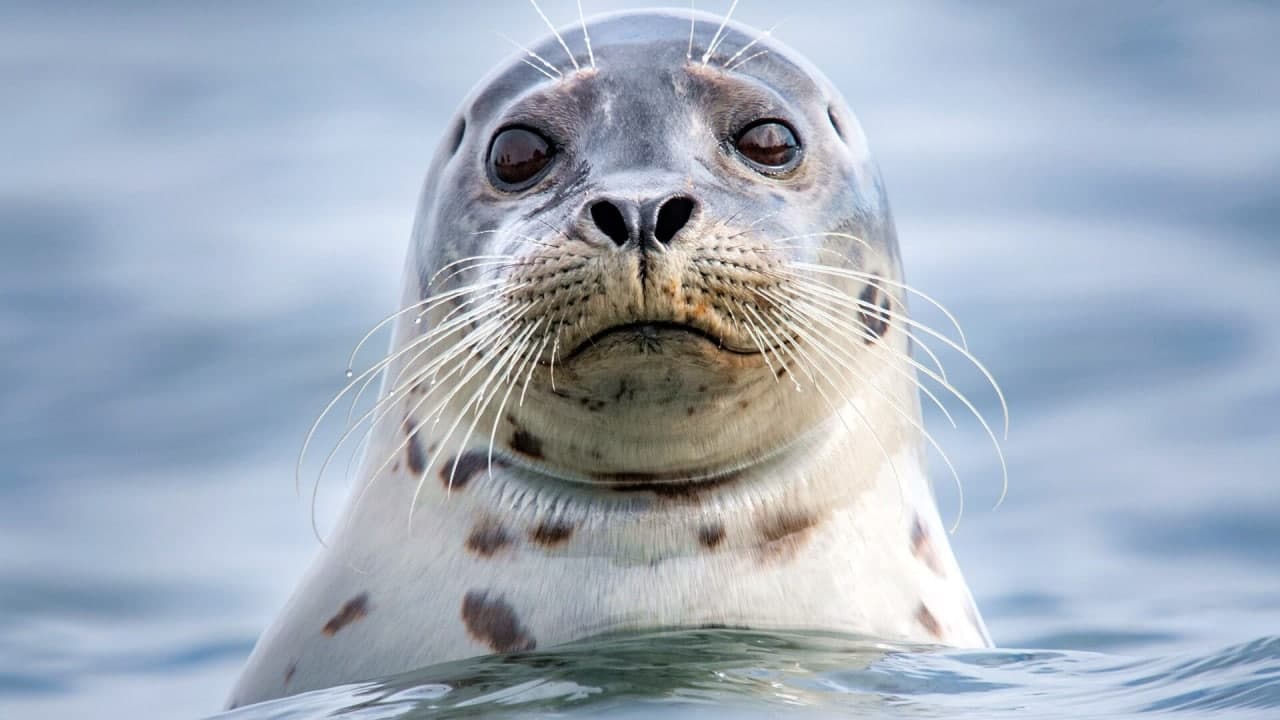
(533, 362)
(411, 431)
(472, 258)
(558, 74)
(429, 302)
(438, 413)
(815, 338)
(963, 348)
(778, 342)
(832, 323)
(586, 36)
(517, 236)
(835, 292)
(555, 32)
(861, 305)
(751, 44)
(461, 306)
(376, 414)
(480, 401)
(862, 275)
(745, 60)
(715, 39)
(893, 468)
(693, 21)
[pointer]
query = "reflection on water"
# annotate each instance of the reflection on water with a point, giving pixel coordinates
(748, 674)
(202, 207)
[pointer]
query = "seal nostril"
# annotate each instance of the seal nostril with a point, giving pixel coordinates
(609, 219)
(672, 216)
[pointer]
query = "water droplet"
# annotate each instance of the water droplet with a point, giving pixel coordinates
(349, 372)
(417, 321)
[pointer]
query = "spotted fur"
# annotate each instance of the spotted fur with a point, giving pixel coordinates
(352, 610)
(492, 622)
(487, 538)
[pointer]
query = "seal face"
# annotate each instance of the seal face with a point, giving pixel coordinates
(653, 369)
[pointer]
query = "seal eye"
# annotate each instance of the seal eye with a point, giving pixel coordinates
(518, 156)
(770, 145)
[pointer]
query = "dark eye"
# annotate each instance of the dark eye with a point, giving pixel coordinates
(517, 156)
(769, 144)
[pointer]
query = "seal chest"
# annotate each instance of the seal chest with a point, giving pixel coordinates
(653, 369)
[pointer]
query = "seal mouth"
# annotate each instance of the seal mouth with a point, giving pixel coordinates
(651, 333)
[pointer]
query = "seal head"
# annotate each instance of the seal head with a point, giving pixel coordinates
(644, 216)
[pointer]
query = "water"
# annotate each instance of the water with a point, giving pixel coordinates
(202, 207)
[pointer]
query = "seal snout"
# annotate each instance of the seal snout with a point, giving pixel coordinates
(648, 223)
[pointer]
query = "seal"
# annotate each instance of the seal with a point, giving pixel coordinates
(653, 369)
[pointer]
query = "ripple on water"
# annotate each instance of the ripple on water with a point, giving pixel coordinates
(750, 674)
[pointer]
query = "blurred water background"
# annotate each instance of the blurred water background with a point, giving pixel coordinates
(204, 205)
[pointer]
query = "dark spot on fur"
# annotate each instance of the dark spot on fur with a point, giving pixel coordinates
(744, 404)
(416, 459)
(782, 535)
(690, 410)
(711, 535)
(551, 533)
(526, 444)
(922, 547)
(487, 538)
(351, 611)
(491, 620)
(929, 622)
(289, 672)
(470, 465)
(780, 371)
(874, 313)
(702, 388)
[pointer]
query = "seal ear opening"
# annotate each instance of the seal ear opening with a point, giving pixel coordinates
(459, 131)
(831, 115)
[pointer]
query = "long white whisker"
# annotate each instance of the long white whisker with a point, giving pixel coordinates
(860, 275)
(487, 295)
(832, 322)
(586, 36)
(1004, 471)
(817, 286)
(960, 348)
(745, 60)
(715, 39)
(438, 413)
(516, 365)
(819, 344)
(555, 32)
(693, 21)
(480, 401)
(558, 73)
(848, 403)
(749, 45)
(376, 414)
